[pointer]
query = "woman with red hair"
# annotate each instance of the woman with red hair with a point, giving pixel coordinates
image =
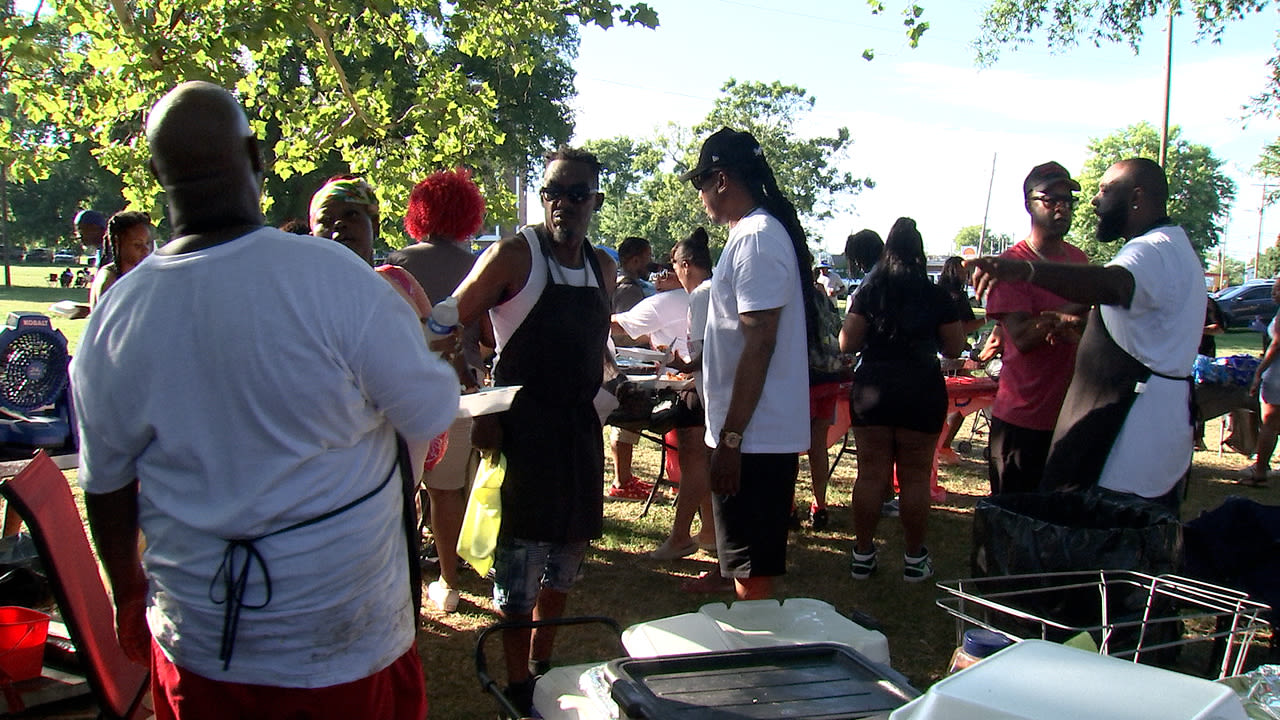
(445, 211)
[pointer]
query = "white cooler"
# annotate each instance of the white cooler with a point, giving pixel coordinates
(1038, 680)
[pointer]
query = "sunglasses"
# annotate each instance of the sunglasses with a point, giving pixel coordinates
(702, 179)
(576, 195)
(1051, 200)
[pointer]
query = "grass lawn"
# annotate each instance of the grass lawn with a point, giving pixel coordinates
(31, 291)
(620, 582)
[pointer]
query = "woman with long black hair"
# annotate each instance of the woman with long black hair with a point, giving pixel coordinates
(899, 320)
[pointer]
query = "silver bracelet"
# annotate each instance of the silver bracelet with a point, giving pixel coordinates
(1031, 270)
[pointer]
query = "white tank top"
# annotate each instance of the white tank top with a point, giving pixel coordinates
(508, 316)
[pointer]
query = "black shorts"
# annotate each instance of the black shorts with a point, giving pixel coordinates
(751, 527)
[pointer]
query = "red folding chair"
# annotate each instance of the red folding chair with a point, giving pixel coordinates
(839, 430)
(43, 498)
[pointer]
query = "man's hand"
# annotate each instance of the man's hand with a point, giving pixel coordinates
(991, 271)
(1060, 327)
(131, 627)
(726, 470)
(113, 519)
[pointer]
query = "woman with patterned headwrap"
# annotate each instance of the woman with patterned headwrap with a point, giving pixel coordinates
(345, 209)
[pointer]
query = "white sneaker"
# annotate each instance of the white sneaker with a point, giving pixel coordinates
(442, 596)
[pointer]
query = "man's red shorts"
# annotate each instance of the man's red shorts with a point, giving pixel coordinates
(397, 692)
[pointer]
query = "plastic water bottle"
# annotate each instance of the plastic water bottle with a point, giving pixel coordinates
(443, 319)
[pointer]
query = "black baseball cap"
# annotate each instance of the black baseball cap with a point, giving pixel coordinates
(726, 148)
(1042, 176)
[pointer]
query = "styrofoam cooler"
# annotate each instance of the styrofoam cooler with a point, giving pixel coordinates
(1038, 680)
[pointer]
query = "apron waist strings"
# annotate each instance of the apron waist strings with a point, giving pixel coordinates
(239, 558)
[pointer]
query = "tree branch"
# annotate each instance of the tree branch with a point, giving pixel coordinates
(327, 43)
(155, 55)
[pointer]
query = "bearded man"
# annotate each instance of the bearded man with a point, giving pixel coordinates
(1126, 423)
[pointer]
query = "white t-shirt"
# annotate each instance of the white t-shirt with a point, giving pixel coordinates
(831, 283)
(757, 271)
(699, 300)
(664, 317)
(1162, 329)
(250, 386)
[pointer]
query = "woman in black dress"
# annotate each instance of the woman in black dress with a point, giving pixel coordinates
(899, 321)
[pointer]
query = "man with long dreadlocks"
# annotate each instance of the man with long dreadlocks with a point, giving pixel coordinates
(755, 359)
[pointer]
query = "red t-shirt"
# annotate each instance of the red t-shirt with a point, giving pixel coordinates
(1033, 384)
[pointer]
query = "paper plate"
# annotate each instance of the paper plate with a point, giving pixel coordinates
(489, 400)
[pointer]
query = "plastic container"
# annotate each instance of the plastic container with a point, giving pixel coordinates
(753, 623)
(443, 319)
(978, 643)
(1038, 680)
(22, 635)
(819, 680)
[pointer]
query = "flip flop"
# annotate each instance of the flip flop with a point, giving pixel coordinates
(710, 581)
(666, 551)
(1249, 478)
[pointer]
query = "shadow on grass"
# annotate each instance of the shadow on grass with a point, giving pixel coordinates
(43, 294)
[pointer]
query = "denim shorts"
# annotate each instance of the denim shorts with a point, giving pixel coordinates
(521, 568)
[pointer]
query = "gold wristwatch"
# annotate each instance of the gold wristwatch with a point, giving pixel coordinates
(730, 439)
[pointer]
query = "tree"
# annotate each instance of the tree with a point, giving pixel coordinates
(993, 244)
(643, 195)
(1232, 270)
(1067, 22)
(1200, 194)
(1269, 262)
(386, 89)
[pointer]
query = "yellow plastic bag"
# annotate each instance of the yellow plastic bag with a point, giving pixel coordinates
(483, 518)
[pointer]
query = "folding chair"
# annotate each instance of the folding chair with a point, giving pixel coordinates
(668, 466)
(43, 498)
(841, 431)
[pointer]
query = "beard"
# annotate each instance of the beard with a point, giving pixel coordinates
(562, 235)
(1111, 223)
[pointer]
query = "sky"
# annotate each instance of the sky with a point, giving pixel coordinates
(927, 122)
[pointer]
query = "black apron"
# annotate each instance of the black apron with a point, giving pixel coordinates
(1102, 392)
(551, 436)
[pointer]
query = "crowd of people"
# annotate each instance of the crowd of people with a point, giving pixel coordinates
(285, 399)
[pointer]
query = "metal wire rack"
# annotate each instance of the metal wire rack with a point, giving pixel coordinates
(1126, 614)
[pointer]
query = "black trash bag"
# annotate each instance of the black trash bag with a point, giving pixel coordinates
(1032, 533)
(1022, 533)
(22, 578)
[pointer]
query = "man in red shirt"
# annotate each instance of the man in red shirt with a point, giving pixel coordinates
(1038, 358)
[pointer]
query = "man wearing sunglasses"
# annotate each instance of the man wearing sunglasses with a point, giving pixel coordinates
(755, 359)
(1037, 367)
(1126, 421)
(547, 291)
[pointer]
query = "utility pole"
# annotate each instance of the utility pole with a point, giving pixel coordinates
(982, 237)
(1168, 83)
(1257, 250)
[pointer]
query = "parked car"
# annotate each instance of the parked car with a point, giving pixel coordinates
(1242, 305)
(38, 255)
(63, 257)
